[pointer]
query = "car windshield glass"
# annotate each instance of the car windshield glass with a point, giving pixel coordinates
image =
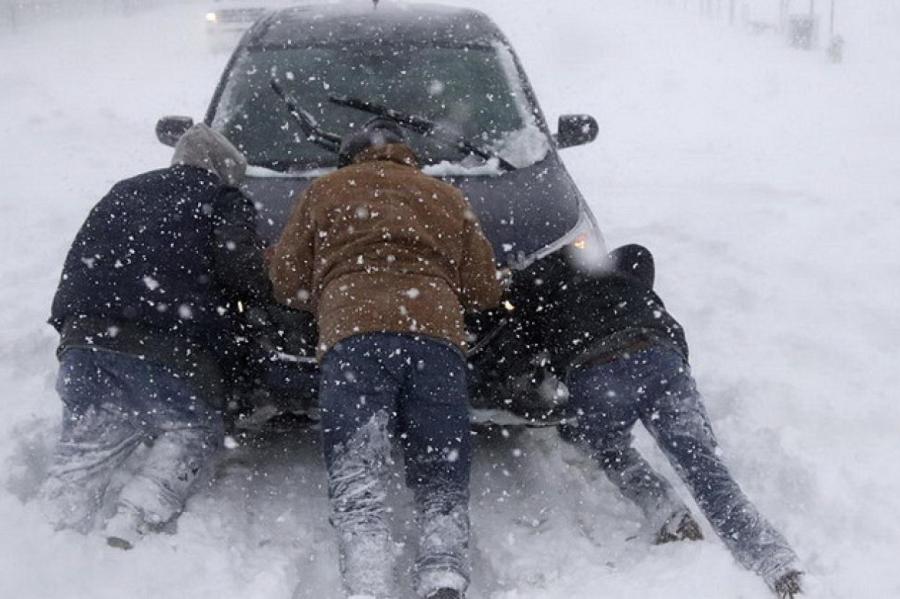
(474, 92)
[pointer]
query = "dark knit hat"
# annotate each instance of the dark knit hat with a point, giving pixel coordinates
(378, 131)
(635, 261)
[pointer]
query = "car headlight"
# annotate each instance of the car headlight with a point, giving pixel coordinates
(212, 17)
(584, 245)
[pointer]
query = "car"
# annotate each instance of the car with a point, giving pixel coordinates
(227, 20)
(301, 77)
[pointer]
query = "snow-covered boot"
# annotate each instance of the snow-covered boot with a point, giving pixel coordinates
(125, 528)
(680, 526)
(789, 585)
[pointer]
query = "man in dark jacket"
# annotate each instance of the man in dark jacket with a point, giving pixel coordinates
(388, 259)
(149, 311)
(626, 360)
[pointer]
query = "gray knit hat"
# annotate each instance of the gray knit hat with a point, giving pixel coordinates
(204, 148)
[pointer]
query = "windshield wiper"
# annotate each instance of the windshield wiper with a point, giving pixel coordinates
(423, 126)
(308, 124)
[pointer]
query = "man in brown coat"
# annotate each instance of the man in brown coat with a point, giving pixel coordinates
(388, 259)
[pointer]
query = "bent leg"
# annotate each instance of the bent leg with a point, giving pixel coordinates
(96, 439)
(357, 398)
(189, 434)
(434, 420)
(186, 433)
(672, 410)
(604, 403)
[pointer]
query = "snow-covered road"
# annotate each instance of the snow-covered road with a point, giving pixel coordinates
(766, 181)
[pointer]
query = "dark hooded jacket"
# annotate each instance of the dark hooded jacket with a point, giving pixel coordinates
(163, 268)
(587, 316)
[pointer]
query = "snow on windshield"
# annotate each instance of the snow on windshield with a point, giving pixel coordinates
(471, 92)
(523, 147)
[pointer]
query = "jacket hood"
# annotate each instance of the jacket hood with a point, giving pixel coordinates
(201, 147)
(399, 153)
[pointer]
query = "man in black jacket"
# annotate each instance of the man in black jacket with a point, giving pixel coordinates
(625, 359)
(150, 314)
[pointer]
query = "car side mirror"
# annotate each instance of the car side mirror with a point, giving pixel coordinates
(169, 129)
(576, 130)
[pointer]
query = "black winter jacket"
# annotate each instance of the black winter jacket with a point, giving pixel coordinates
(586, 316)
(163, 267)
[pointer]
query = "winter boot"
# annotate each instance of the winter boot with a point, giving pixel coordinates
(446, 594)
(789, 585)
(125, 528)
(680, 526)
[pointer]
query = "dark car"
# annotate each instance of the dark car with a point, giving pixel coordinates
(303, 76)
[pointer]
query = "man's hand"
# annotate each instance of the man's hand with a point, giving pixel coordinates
(505, 277)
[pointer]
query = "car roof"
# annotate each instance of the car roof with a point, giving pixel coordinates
(415, 24)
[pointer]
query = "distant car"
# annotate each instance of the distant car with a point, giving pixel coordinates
(227, 20)
(451, 77)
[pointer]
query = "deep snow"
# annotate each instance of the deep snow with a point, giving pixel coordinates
(766, 181)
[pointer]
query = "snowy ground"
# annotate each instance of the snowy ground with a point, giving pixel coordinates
(766, 181)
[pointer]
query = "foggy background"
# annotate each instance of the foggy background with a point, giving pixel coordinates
(760, 168)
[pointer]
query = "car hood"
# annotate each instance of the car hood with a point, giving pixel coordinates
(521, 212)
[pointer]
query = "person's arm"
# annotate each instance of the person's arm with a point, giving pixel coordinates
(480, 288)
(238, 250)
(291, 259)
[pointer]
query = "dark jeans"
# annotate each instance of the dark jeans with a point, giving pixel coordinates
(654, 385)
(113, 403)
(380, 388)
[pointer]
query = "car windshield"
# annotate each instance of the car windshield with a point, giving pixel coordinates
(474, 92)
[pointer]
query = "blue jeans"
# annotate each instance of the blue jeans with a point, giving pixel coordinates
(655, 386)
(113, 403)
(379, 388)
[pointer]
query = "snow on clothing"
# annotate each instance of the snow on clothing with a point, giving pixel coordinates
(113, 404)
(381, 387)
(380, 246)
(149, 314)
(644, 375)
(388, 258)
(654, 385)
(157, 270)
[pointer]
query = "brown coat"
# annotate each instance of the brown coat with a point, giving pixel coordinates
(378, 246)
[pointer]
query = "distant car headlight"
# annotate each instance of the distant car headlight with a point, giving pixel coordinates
(212, 17)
